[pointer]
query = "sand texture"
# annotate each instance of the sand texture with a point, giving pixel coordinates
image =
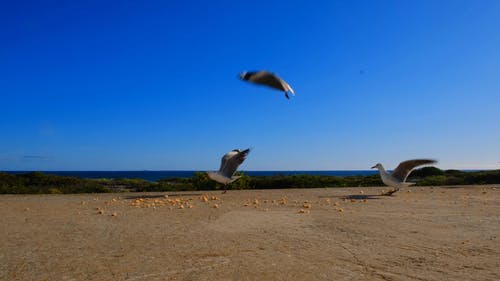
(447, 233)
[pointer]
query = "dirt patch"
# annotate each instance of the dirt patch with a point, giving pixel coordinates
(298, 234)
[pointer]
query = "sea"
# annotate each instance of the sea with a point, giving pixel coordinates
(156, 175)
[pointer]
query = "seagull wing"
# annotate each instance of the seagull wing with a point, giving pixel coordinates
(225, 159)
(231, 161)
(287, 87)
(404, 168)
(268, 79)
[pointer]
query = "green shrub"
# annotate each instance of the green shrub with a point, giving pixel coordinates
(432, 181)
(54, 191)
(201, 181)
(242, 183)
(38, 183)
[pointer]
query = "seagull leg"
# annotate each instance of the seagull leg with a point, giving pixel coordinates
(286, 95)
(390, 192)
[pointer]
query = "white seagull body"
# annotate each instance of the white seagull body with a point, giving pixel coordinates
(269, 79)
(397, 178)
(229, 164)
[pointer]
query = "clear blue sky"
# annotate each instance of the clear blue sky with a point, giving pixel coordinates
(132, 85)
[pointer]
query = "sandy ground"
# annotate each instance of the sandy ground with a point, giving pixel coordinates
(317, 234)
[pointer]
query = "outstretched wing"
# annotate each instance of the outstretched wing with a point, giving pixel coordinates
(404, 168)
(268, 79)
(225, 159)
(231, 161)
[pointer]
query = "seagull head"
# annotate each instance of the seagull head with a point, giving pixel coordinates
(243, 74)
(377, 166)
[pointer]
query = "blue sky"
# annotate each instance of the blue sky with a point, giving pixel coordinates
(132, 85)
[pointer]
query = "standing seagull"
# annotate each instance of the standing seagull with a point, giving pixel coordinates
(397, 178)
(269, 79)
(229, 164)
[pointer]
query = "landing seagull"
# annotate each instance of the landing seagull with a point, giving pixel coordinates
(229, 164)
(269, 79)
(397, 178)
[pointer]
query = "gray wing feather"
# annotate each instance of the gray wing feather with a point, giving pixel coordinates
(270, 79)
(231, 161)
(404, 168)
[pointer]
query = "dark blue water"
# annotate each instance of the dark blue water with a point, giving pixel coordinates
(156, 175)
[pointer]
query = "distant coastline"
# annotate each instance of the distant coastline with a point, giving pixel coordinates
(150, 175)
(54, 182)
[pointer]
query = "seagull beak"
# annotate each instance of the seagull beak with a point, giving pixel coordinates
(374, 167)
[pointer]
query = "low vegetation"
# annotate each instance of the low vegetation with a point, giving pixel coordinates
(40, 183)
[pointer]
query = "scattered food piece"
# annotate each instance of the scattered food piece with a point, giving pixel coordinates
(216, 206)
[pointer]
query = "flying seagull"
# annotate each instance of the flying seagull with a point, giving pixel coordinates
(397, 178)
(269, 79)
(229, 164)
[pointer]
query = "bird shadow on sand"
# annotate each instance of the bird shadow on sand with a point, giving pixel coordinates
(355, 196)
(146, 196)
